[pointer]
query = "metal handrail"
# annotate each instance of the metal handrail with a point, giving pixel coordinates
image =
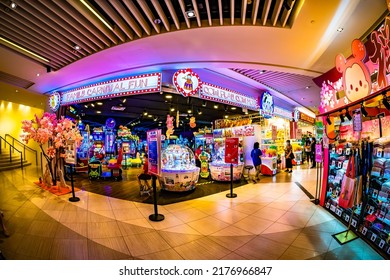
(10, 153)
(24, 147)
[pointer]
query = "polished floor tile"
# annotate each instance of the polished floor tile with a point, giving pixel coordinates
(270, 220)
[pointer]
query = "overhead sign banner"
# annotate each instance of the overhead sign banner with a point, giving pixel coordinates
(282, 113)
(267, 107)
(115, 88)
(187, 82)
(227, 96)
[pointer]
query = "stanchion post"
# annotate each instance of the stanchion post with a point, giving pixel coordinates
(231, 194)
(156, 217)
(73, 198)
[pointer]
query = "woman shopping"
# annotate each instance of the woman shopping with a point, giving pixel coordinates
(289, 156)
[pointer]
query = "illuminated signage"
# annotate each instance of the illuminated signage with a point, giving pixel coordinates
(115, 88)
(267, 105)
(282, 113)
(54, 101)
(226, 96)
(306, 118)
(187, 82)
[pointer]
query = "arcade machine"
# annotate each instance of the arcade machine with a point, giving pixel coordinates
(129, 145)
(98, 143)
(82, 151)
(109, 137)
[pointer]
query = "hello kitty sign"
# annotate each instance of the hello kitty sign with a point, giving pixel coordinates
(187, 82)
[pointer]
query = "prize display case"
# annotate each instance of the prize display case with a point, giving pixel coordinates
(219, 170)
(178, 170)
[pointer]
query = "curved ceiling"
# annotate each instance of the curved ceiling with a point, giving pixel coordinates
(294, 40)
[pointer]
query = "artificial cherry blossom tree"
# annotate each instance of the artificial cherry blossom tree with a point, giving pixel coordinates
(53, 133)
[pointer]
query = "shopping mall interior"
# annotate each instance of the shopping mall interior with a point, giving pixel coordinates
(95, 93)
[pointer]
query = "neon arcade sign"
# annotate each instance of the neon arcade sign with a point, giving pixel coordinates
(114, 88)
(226, 96)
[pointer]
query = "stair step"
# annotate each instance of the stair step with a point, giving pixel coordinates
(13, 166)
(4, 160)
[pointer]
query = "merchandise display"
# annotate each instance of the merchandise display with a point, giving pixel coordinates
(219, 170)
(376, 214)
(178, 170)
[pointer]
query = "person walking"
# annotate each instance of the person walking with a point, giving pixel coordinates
(288, 151)
(313, 151)
(308, 151)
(256, 159)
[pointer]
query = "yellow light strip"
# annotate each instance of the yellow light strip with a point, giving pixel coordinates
(96, 14)
(23, 49)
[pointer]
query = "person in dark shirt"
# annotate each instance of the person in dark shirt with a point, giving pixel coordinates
(256, 159)
(313, 152)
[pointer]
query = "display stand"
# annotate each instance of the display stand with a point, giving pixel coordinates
(156, 217)
(231, 194)
(73, 198)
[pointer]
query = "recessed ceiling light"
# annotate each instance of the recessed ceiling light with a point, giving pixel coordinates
(124, 100)
(168, 96)
(93, 105)
(99, 103)
(340, 29)
(233, 108)
(98, 112)
(307, 87)
(150, 116)
(13, 5)
(226, 116)
(261, 71)
(76, 47)
(86, 106)
(190, 13)
(38, 74)
(215, 106)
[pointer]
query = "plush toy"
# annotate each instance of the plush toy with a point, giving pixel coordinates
(169, 123)
(192, 122)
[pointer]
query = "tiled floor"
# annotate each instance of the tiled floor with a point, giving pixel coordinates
(273, 220)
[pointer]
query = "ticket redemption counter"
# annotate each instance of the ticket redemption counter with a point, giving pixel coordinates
(178, 170)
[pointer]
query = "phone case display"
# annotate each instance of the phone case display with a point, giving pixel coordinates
(178, 170)
(219, 170)
(338, 163)
(376, 216)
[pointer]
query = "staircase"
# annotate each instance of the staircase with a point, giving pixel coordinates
(5, 163)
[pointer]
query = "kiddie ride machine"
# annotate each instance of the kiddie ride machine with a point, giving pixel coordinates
(178, 170)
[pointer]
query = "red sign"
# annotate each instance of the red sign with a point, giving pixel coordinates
(231, 150)
(187, 82)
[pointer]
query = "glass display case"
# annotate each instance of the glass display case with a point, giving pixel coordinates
(178, 170)
(219, 170)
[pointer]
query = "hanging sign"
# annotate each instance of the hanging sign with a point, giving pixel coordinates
(318, 156)
(357, 120)
(274, 130)
(154, 148)
(115, 88)
(296, 115)
(282, 113)
(227, 96)
(231, 150)
(267, 105)
(54, 101)
(187, 82)
(299, 134)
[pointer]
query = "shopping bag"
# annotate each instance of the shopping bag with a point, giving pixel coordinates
(347, 192)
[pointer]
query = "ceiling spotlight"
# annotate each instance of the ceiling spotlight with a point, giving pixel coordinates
(76, 47)
(200, 112)
(307, 87)
(93, 105)
(157, 21)
(124, 100)
(98, 112)
(233, 108)
(190, 13)
(261, 71)
(172, 108)
(86, 106)
(386, 103)
(215, 106)
(348, 115)
(168, 96)
(145, 113)
(189, 111)
(226, 116)
(204, 103)
(99, 103)
(328, 120)
(13, 5)
(340, 29)
(363, 110)
(150, 116)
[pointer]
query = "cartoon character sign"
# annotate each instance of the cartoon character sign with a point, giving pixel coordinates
(55, 101)
(187, 82)
(267, 105)
(356, 77)
(169, 123)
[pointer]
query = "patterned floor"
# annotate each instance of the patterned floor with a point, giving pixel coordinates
(273, 220)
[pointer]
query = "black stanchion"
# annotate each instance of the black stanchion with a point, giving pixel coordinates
(156, 217)
(74, 198)
(231, 194)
